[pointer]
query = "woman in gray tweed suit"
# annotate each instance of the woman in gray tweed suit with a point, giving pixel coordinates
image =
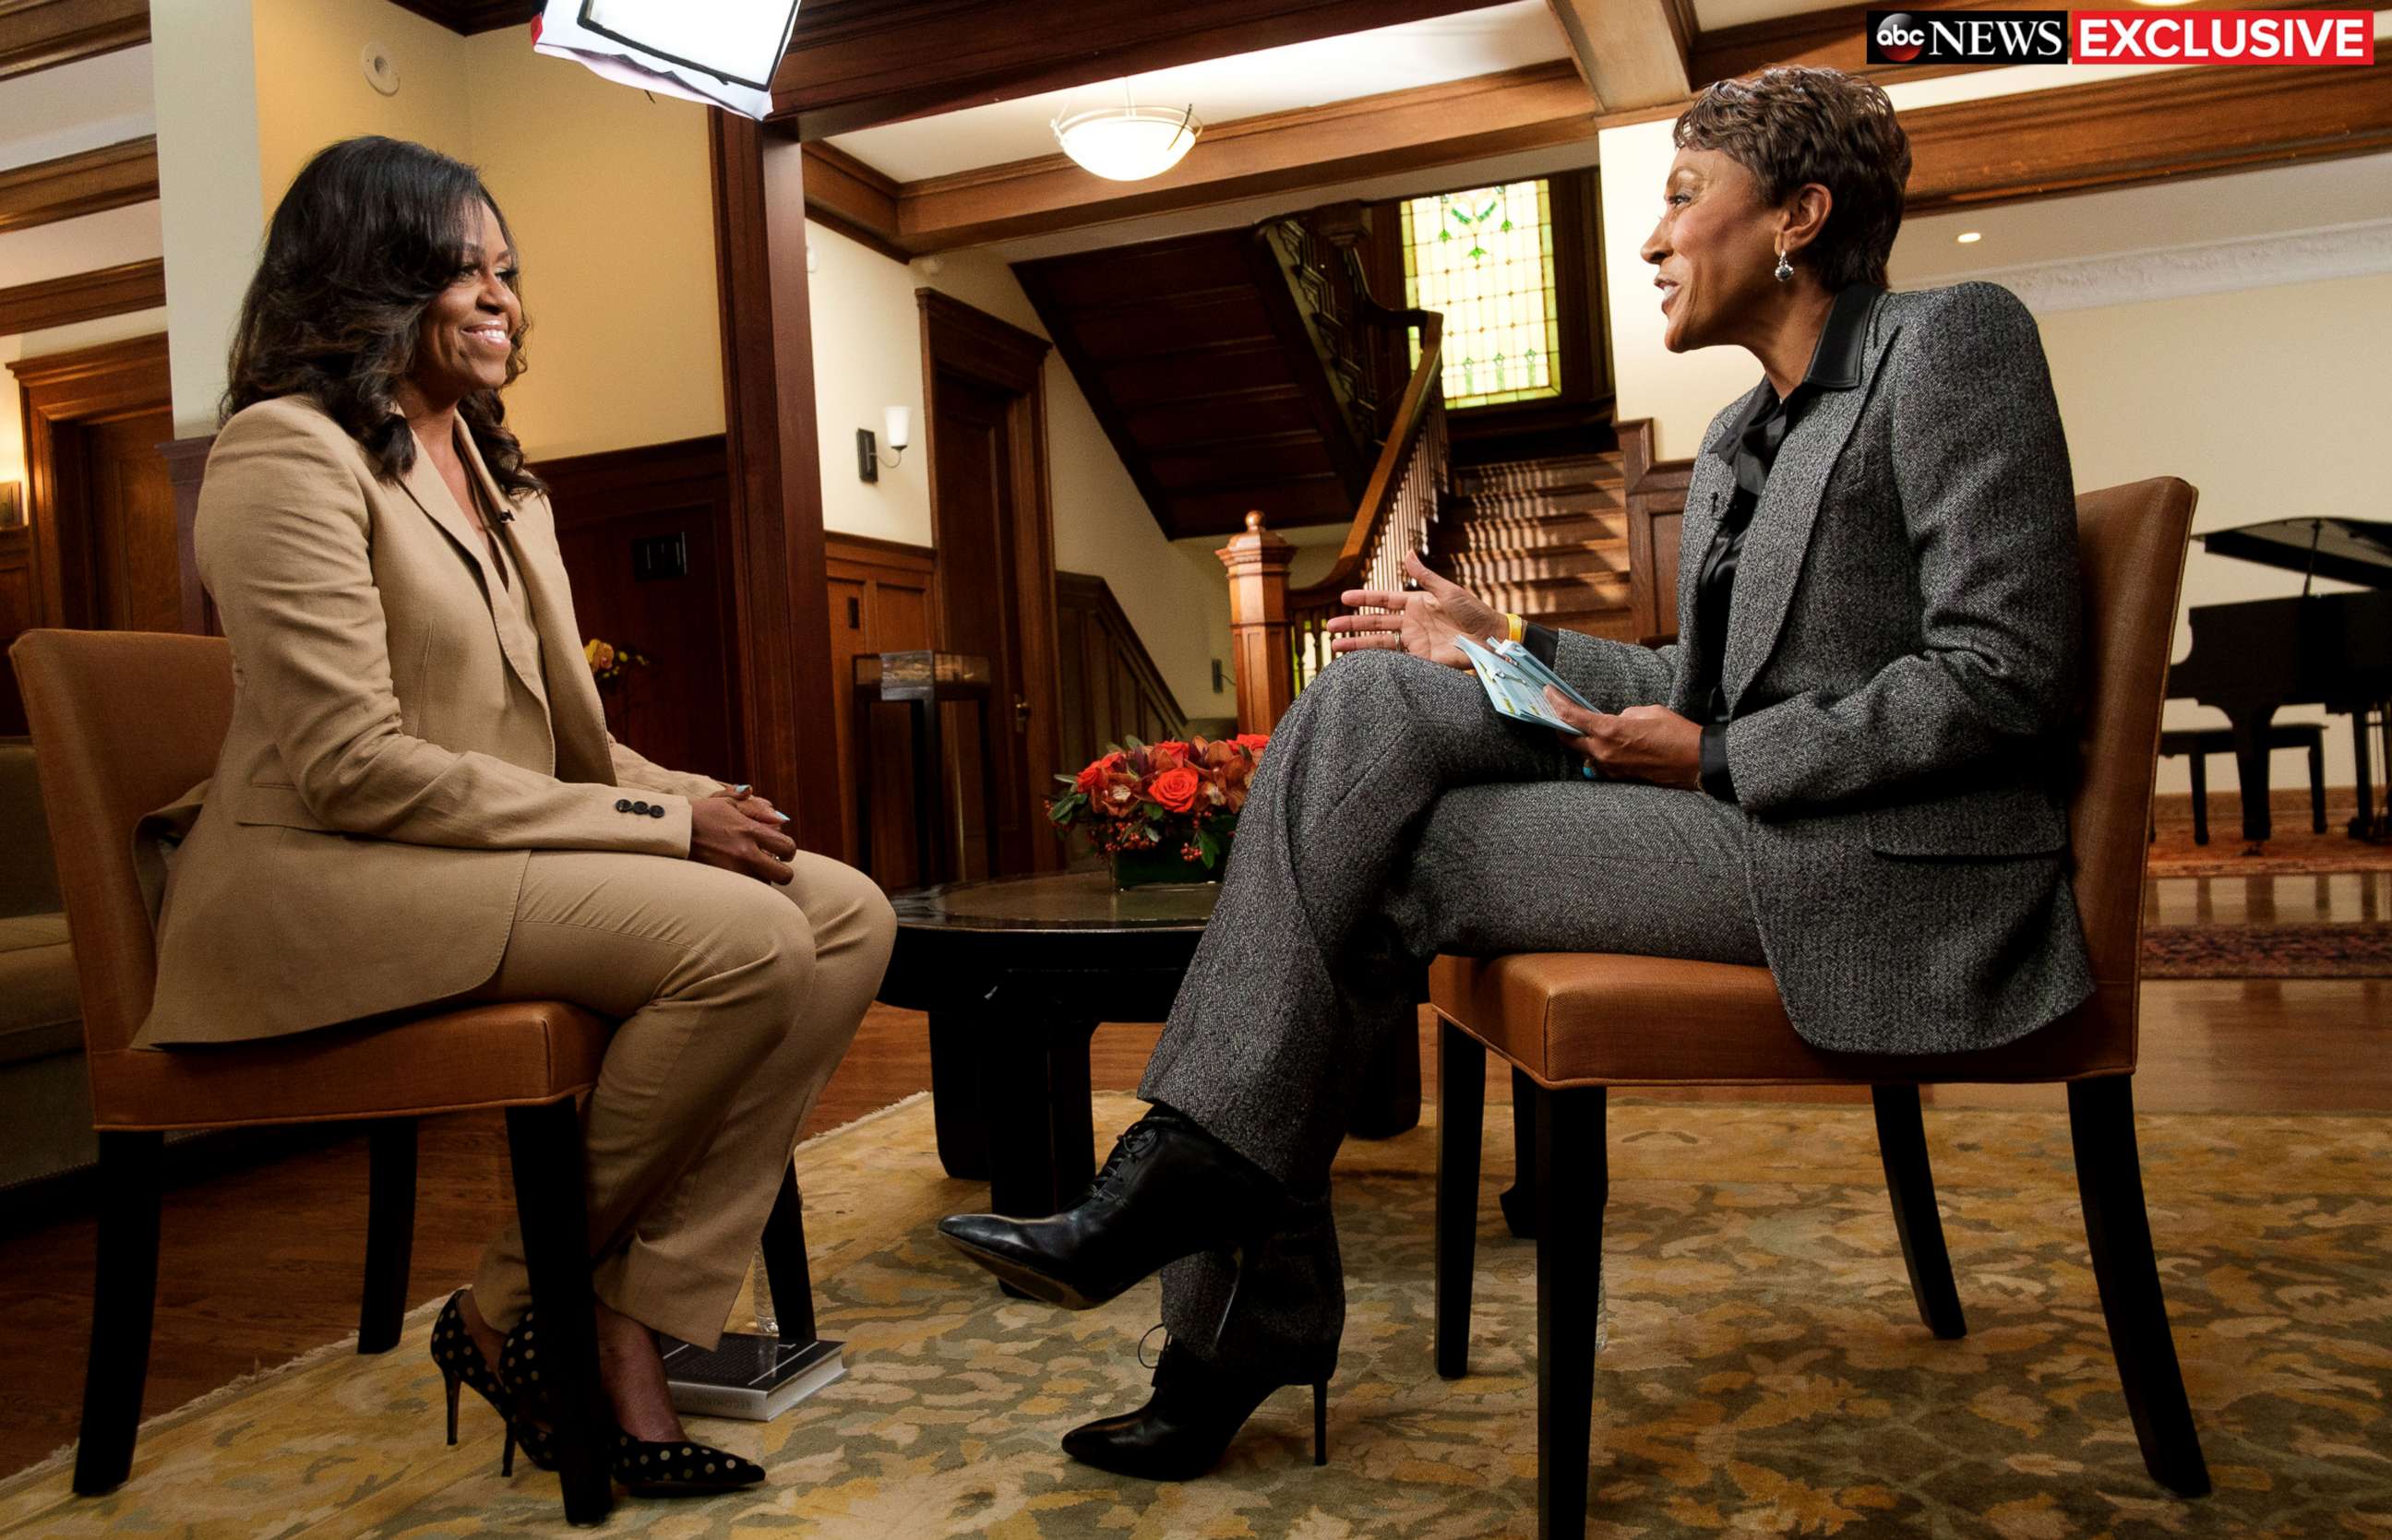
(1841, 770)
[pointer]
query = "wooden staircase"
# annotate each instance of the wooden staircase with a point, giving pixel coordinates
(1546, 539)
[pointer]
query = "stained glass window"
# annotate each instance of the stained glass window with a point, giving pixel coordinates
(1485, 258)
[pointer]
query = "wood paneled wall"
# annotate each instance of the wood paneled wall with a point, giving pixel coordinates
(1112, 689)
(680, 710)
(883, 599)
(1656, 505)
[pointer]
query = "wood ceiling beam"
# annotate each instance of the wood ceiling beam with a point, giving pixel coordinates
(42, 35)
(2142, 128)
(854, 63)
(1629, 52)
(853, 199)
(82, 297)
(1525, 108)
(73, 185)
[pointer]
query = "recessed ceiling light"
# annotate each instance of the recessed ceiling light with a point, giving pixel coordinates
(1970, 237)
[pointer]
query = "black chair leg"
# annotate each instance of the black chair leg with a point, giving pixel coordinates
(2200, 798)
(2317, 784)
(1519, 1199)
(2117, 1228)
(1460, 1119)
(123, 1302)
(1573, 1183)
(787, 1272)
(1902, 1143)
(390, 1233)
(544, 1145)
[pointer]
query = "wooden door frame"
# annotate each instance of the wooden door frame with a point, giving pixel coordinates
(976, 345)
(60, 391)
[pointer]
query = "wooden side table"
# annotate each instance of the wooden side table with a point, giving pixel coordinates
(1017, 975)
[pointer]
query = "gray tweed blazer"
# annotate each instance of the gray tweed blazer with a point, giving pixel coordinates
(1901, 667)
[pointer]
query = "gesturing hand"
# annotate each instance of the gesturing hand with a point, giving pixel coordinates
(1423, 621)
(1644, 742)
(740, 833)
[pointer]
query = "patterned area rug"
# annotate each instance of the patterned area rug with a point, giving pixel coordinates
(2360, 949)
(2293, 849)
(1765, 1372)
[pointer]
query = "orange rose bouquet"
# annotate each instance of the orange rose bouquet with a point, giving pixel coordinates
(1172, 803)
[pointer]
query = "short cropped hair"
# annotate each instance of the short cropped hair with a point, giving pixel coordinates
(1794, 125)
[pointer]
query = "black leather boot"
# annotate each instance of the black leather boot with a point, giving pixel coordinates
(1168, 1190)
(1185, 1427)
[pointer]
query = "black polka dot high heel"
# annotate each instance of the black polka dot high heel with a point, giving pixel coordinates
(519, 1371)
(460, 1363)
(678, 1467)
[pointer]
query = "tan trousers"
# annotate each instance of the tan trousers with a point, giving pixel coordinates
(738, 999)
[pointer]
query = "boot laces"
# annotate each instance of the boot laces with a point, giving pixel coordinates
(1130, 1146)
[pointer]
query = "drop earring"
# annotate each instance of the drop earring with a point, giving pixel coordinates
(1784, 269)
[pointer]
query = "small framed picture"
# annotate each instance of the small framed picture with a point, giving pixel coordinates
(12, 504)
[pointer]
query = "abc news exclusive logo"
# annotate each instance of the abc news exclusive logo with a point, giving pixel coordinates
(2121, 37)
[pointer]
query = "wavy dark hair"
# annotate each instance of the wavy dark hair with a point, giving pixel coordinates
(371, 233)
(1791, 126)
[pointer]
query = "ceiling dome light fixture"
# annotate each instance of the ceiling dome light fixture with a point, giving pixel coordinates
(1128, 143)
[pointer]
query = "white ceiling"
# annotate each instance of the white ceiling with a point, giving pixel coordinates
(2279, 199)
(75, 107)
(1245, 85)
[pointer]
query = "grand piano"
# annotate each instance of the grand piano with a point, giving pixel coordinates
(2328, 649)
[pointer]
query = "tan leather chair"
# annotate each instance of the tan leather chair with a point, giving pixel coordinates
(127, 721)
(1573, 1026)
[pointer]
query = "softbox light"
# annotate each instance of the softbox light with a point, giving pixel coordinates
(718, 51)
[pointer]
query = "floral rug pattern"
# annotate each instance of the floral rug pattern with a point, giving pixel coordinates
(1767, 1372)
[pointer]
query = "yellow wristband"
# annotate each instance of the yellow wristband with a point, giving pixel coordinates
(1518, 626)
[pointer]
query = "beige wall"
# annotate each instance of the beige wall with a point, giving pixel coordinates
(312, 88)
(203, 74)
(867, 357)
(611, 199)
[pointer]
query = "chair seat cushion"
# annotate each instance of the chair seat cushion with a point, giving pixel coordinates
(508, 1055)
(1602, 1018)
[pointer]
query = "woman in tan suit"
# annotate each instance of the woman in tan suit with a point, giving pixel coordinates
(419, 802)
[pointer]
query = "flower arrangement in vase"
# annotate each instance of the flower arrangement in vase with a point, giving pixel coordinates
(1162, 812)
(610, 668)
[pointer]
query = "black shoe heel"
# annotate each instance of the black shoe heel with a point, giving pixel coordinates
(1186, 1425)
(519, 1369)
(460, 1363)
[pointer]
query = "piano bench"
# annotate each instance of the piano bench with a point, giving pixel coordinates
(2201, 743)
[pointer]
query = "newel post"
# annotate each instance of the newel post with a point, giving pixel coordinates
(1258, 625)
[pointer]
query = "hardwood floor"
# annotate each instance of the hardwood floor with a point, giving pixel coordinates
(261, 1264)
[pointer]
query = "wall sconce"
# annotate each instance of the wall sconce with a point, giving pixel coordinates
(868, 459)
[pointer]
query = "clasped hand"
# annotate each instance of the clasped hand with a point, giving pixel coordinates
(740, 832)
(1644, 742)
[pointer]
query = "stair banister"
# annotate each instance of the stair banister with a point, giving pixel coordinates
(1279, 636)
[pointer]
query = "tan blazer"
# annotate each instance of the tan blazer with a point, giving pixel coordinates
(396, 751)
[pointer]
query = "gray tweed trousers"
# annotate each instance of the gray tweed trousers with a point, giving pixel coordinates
(1396, 816)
